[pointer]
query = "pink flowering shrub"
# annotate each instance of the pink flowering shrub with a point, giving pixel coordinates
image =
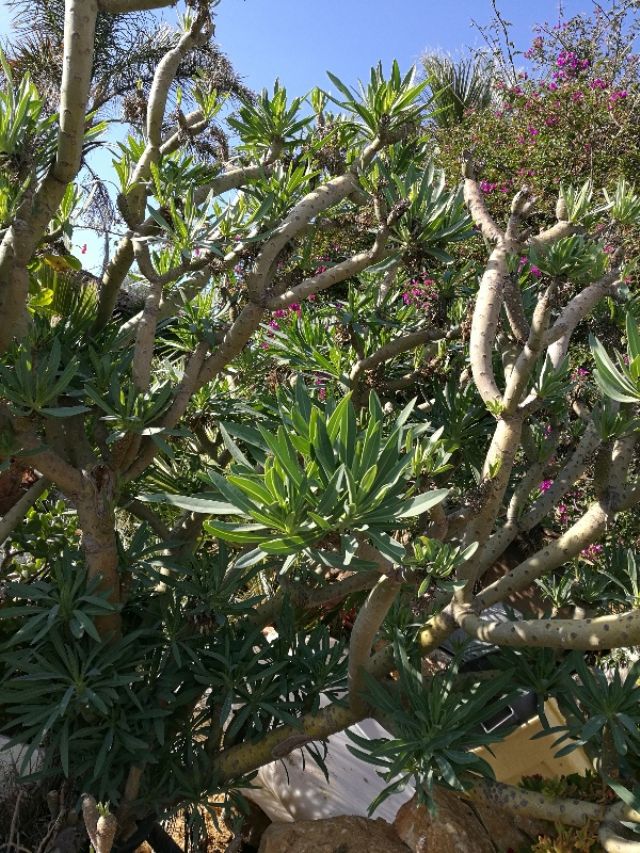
(573, 115)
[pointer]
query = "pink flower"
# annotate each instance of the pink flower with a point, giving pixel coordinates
(545, 485)
(598, 83)
(620, 95)
(320, 270)
(487, 187)
(83, 250)
(535, 271)
(273, 324)
(279, 313)
(552, 87)
(591, 552)
(533, 131)
(312, 297)
(551, 121)
(576, 97)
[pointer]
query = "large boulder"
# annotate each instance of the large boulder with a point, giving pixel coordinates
(452, 828)
(459, 826)
(336, 835)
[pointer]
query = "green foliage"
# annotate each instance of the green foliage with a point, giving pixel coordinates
(457, 87)
(21, 117)
(604, 712)
(439, 560)
(269, 120)
(384, 106)
(66, 603)
(624, 204)
(34, 386)
(303, 428)
(323, 474)
(434, 730)
(435, 217)
(621, 382)
(575, 257)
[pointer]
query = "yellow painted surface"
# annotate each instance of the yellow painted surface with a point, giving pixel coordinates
(517, 755)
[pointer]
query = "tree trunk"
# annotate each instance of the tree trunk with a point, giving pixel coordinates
(97, 521)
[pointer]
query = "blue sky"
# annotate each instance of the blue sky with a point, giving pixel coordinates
(298, 40)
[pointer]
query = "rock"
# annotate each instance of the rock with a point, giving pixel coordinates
(460, 826)
(510, 832)
(453, 828)
(336, 835)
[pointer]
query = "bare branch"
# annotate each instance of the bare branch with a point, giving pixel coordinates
(11, 519)
(312, 599)
(49, 463)
(520, 801)
(319, 199)
(485, 324)
(144, 512)
(335, 274)
(474, 200)
(365, 629)
(588, 529)
(551, 235)
(146, 332)
(578, 308)
(404, 343)
(39, 207)
(602, 632)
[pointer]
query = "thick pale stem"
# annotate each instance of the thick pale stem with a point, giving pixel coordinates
(485, 324)
(527, 359)
(318, 200)
(578, 308)
(532, 804)
(497, 470)
(394, 348)
(365, 629)
(97, 521)
(588, 529)
(120, 7)
(334, 275)
(244, 758)
(12, 518)
(146, 332)
(602, 632)
(38, 208)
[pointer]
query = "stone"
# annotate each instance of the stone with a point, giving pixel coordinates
(462, 826)
(335, 835)
(511, 832)
(453, 828)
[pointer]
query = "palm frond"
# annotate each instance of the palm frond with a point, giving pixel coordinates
(457, 86)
